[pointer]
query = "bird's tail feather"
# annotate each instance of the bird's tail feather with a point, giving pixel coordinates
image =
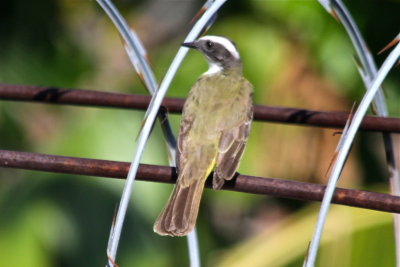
(179, 215)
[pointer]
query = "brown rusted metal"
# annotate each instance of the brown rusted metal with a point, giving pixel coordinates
(242, 183)
(174, 105)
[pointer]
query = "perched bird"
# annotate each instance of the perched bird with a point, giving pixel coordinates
(214, 128)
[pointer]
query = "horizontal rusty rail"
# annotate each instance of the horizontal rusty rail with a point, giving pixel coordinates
(242, 183)
(53, 95)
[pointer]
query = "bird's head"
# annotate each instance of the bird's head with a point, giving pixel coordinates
(220, 52)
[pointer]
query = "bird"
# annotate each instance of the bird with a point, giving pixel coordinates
(213, 132)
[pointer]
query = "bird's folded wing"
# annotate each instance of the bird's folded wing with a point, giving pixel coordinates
(230, 150)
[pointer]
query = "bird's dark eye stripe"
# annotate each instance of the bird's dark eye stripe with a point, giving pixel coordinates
(210, 44)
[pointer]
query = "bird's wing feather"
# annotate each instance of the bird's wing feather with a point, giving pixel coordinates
(231, 145)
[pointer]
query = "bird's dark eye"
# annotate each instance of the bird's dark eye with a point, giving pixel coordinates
(209, 44)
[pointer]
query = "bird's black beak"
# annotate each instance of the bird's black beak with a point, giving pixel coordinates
(190, 45)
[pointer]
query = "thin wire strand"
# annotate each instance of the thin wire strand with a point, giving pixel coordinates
(343, 152)
(138, 56)
(368, 71)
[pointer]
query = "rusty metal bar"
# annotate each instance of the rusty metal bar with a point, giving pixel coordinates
(242, 183)
(54, 95)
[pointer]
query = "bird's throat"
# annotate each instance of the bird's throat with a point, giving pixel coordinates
(213, 69)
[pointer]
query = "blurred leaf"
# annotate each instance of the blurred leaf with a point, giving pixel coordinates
(285, 244)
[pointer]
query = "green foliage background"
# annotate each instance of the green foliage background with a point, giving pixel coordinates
(63, 220)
